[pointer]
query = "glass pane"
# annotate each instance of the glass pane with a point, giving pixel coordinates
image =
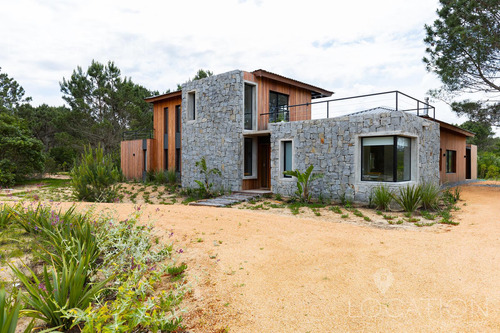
(287, 163)
(403, 171)
(248, 106)
(378, 159)
(248, 157)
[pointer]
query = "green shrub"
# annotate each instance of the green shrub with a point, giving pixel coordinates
(55, 291)
(303, 181)
(9, 313)
(95, 176)
(431, 194)
(205, 186)
(409, 198)
(5, 216)
(382, 197)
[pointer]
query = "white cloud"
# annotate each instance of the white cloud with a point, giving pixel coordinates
(350, 47)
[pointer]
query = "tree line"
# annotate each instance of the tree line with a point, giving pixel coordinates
(100, 105)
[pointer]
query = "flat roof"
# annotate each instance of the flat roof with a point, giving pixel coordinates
(316, 92)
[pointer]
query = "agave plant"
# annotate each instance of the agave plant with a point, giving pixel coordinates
(382, 197)
(431, 194)
(409, 198)
(303, 181)
(56, 291)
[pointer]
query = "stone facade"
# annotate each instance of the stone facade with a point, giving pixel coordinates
(333, 146)
(216, 133)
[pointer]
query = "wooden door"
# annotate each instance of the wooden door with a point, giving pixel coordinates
(264, 165)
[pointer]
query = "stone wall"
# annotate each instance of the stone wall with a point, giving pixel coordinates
(216, 133)
(333, 146)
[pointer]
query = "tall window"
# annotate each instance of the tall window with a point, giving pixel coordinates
(451, 161)
(248, 160)
(249, 106)
(177, 119)
(386, 158)
(165, 137)
(191, 107)
(278, 107)
(286, 162)
(178, 160)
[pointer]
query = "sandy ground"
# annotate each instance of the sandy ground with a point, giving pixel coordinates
(256, 271)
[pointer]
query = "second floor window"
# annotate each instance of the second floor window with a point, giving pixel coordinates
(278, 107)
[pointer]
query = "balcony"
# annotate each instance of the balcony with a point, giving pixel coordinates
(331, 108)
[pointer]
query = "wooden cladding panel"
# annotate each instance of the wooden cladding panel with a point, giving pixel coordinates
(473, 156)
(452, 141)
(249, 184)
(159, 131)
(296, 96)
(132, 158)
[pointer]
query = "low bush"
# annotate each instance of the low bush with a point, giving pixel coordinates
(409, 198)
(382, 197)
(430, 194)
(94, 177)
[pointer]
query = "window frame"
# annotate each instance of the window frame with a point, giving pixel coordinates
(283, 142)
(191, 106)
(254, 157)
(394, 159)
(254, 105)
(274, 115)
(453, 167)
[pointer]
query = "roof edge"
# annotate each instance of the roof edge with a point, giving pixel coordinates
(276, 77)
(451, 127)
(157, 98)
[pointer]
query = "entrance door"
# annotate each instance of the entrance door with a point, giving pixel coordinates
(264, 162)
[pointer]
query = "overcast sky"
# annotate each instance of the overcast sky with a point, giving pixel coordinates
(349, 47)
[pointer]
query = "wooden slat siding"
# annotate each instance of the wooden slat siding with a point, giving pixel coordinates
(452, 141)
(296, 96)
(132, 166)
(473, 163)
(250, 184)
(159, 129)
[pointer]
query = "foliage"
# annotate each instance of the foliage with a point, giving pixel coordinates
(205, 186)
(463, 49)
(488, 165)
(409, 198)
(103, 104)
(160, 177)
(133, 309)
(61, 236)
(430, 195)
(20, 154)
(9, 313)
(11, 94)
(483, 138)
(56, 291)
(95, 176)
(303, 181)
(382, 197)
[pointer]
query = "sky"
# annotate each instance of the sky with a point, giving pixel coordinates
(349, 47)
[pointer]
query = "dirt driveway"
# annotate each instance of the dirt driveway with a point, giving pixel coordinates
(265, 272)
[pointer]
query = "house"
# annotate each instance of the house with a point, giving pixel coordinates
(252, 126)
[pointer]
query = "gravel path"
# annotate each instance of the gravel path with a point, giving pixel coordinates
(272, 272)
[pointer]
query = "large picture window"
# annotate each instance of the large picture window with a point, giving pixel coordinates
(278, 107)
(451, 161)
(386, 159)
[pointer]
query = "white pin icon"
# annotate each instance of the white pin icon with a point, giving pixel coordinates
(383, 279)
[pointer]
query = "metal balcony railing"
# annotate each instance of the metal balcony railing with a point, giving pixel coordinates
(391, 100)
